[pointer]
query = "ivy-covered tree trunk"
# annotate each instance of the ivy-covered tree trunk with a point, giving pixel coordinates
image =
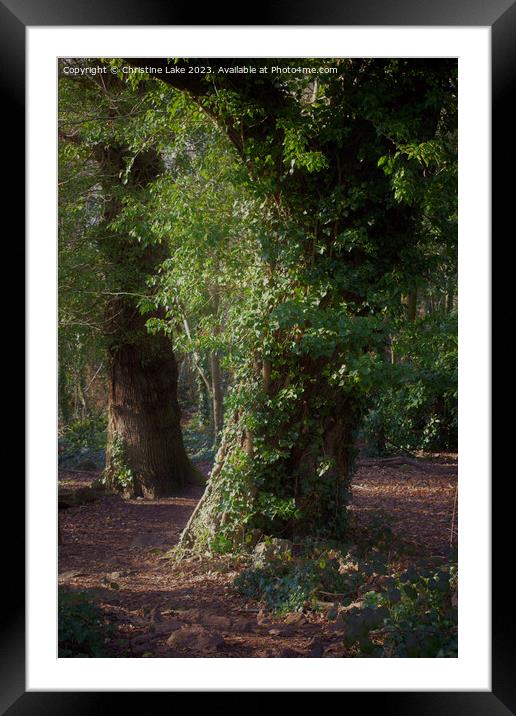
(290, 478)
(329, 160)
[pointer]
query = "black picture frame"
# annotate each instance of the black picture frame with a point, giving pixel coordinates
(15, 16)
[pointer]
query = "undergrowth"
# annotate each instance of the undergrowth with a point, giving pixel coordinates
(82, 628)
(198, 441)
(382, 608)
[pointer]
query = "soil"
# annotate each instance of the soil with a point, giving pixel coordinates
(114, 549)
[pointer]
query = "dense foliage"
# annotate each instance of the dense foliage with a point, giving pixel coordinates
(415, 407)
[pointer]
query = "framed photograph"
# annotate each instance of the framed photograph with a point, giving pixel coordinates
(270, 244)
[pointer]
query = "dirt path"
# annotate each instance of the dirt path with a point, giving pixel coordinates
(114, 550)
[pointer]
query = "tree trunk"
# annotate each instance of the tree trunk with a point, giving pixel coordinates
(216, 378)
(145, 454)
(65, 409)
(80, 394)
(217, 398)
(410, 302)
(450, 297)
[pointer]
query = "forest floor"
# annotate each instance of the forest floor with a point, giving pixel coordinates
(114, 551)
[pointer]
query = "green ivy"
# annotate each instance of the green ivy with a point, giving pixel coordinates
(416, 613)
(123, 474)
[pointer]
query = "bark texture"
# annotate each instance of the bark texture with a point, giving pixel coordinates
(217, 398)
(146, 455)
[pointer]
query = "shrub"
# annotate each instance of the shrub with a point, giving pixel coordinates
(89, 433)
(291, 584)
(82, 628)
(413, 615)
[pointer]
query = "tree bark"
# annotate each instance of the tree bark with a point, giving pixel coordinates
(450, 297)
(145, 453)
(216, 376)
(217, 398)
(65, 409)
(410, 303)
